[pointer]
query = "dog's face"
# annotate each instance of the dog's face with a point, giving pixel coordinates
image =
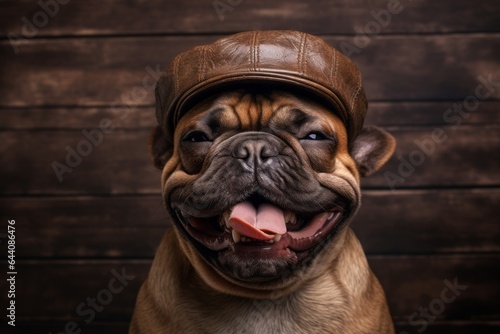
(261, 184)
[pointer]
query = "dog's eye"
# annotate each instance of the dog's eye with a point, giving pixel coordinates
(315, 135)
(196, 137)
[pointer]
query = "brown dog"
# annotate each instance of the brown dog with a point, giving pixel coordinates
(261, 162)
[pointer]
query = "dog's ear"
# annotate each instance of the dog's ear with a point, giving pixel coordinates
(371, 149)
(161, 147)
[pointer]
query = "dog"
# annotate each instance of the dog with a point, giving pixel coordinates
(262, 146)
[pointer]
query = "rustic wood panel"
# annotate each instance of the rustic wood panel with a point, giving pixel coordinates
(438, 327)
(409, 282)
(120, 164)
(93, 17)
(110, 71)
(109, 168)
(90, 62)
(399, 222)
(429, 221)
(415, 281)
(86, 118)
(54, 327)
(83, 242)
(380, 113)
(467, 157)
(92, 212)
(52, 290)
(428, 113)
(456, 327)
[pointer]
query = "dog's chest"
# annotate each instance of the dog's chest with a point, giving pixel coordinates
(282, 316)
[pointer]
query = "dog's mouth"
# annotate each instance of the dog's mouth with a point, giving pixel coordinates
(261, 229)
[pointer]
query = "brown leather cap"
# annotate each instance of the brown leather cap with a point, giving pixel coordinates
(292, 58)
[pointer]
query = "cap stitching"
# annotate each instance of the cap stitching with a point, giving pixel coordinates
(250, 53)
(257, 50)
(202, 63)
(176, 76)
(356, 94)
(253, 66)
(333, 70)
(304, 58)
(300, 57)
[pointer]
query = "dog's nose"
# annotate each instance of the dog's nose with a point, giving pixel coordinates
(255, 152)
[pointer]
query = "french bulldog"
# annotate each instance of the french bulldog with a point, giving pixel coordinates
(261, 168)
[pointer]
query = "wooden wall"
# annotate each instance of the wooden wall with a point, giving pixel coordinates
(94, 60)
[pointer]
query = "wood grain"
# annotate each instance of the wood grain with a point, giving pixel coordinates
(77, 118)
(379, 113)
(429, 221)
(57, 327)
(111, 71)
(452, 327)
(90, 63)
(410, 282)
(438, 327)
(463, 158)
(399, 222)
(93, 17)
(120, 164)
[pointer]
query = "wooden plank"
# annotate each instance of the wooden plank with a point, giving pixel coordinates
(54, 327)
(380, 113)
(428, 113)
(409, 282)
(429, 221)
(93, 17)
(465, 158)
(399, 222)
(102, 227)
(449, 327)
(112, 71)
(452, 327)
(75, 118)
(53, 290)
(82, 242)
(120, 164)
(86, 71)
(428, 67)
(95, 213)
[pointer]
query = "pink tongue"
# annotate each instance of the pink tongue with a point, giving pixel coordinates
(260, 224)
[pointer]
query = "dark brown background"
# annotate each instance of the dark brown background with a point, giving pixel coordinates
(82, 67)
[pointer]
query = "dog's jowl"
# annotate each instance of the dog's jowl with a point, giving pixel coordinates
(261, 145)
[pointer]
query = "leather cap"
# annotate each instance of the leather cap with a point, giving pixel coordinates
(290, 58)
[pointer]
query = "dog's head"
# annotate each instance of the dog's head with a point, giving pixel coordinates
(261, 174)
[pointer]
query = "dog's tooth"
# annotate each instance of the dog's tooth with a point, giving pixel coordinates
(330, 216)
(225, 218)
(236, 236)
(277, 237)
(290, 217)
